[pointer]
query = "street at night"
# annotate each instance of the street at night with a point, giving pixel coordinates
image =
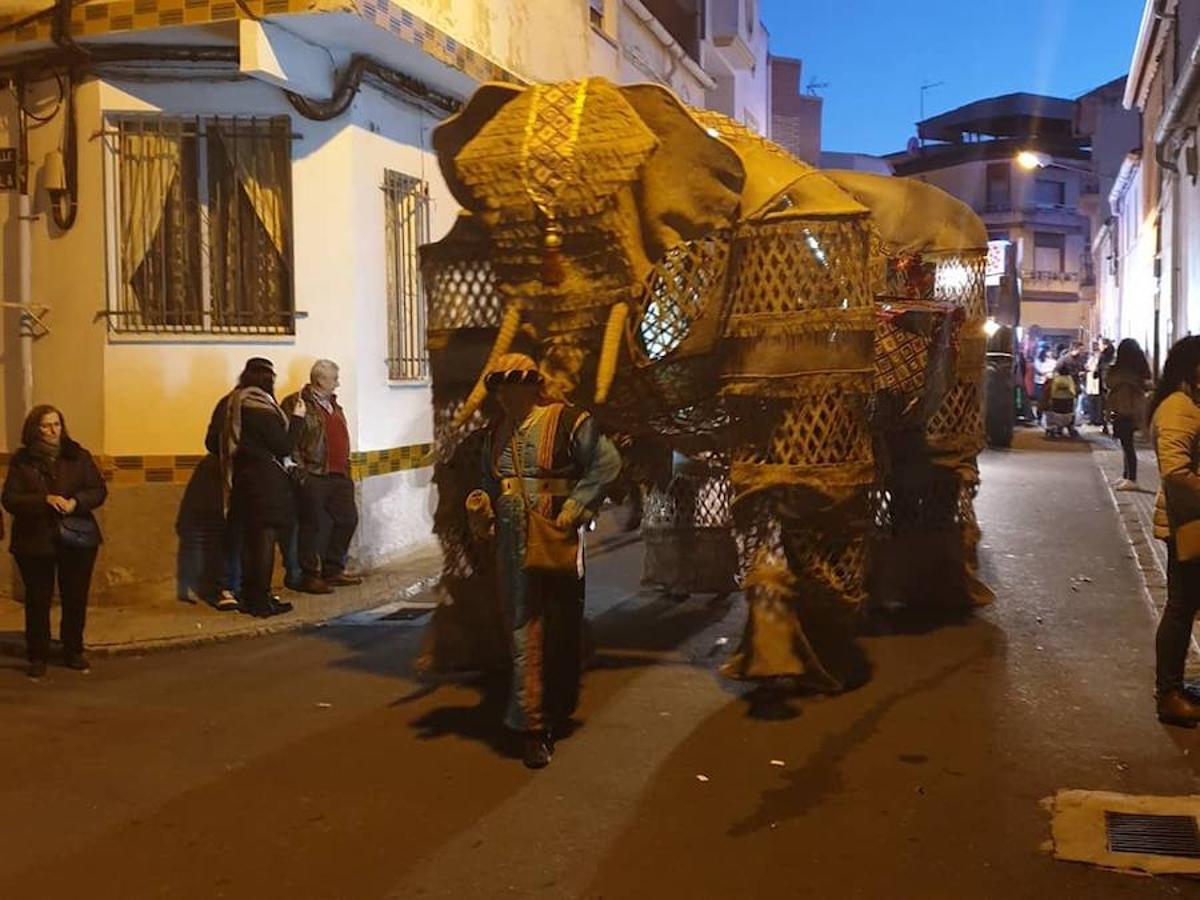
(314, 765)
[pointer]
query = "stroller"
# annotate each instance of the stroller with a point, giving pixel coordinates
(1060, 411)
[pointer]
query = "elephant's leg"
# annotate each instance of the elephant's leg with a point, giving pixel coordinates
(804, 589)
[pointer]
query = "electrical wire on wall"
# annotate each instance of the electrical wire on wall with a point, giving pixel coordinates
(64, 205)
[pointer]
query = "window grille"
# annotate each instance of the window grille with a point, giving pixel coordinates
(407, 217)
(201, 225)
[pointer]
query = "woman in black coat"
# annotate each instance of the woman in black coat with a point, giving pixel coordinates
(257, 436)
(52, 487)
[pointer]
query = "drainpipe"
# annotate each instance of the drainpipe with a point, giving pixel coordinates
(678, 54)
(24, 252)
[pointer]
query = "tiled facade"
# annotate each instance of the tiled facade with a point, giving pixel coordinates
(120, 16)
(178, 469)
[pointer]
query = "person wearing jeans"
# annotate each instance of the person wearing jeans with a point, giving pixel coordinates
(1127, 381)
(51, 488)
(328, 511)
(1176, 428)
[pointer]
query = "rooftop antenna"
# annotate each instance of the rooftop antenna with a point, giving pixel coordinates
(927, 86)
(813, 86)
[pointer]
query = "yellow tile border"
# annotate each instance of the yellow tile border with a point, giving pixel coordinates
(143, 15)
(128, 469)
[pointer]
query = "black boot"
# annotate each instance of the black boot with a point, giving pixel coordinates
(537, 751)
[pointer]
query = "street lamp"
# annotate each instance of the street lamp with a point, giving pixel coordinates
(1029, 160)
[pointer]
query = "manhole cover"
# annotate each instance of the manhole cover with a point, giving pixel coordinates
(1153, 835)
(406, 615)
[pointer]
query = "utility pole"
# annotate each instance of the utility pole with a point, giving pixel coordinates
(927, 86)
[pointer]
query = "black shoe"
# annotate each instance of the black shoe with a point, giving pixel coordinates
(278, 607)
(260, 609)
(1177, 708)
(36, 668)
(537, 751)
(76, 661)
(313, 584)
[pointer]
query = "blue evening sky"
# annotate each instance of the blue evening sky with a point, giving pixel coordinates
(876, 54)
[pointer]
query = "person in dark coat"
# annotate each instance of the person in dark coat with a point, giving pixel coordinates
(53, 484)
(256, 436)
(232, 538)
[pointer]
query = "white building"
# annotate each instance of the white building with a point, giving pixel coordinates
(201, 211)
(1164, 86)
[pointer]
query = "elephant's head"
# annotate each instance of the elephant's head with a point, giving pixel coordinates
(579, 189)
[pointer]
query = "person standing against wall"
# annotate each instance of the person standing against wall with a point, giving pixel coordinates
(328, 513)
(255, 438)
(51, 488)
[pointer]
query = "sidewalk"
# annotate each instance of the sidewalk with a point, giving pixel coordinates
(1135, 509)
(175, 623)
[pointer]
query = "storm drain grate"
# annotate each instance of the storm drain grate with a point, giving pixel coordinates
(406, 615)
(1153, 835)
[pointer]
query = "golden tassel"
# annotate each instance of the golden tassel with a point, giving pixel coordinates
(610, 350)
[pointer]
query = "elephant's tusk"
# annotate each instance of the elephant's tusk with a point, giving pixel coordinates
(610, 349)
(504, 339)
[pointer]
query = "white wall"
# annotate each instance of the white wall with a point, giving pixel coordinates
(541, 40)
(644, 58)
(340, 279)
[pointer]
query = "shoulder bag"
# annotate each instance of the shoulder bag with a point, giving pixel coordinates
(78, 532)
(548, 548)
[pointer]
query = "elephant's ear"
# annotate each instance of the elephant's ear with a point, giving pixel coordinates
(692, 184)
(452, 135)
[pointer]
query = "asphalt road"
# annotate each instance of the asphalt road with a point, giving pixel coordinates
(313, 766)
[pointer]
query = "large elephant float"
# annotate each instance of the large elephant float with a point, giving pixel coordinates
(812, 340)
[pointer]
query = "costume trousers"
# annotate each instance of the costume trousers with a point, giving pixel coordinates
(545, 618)
(328, 520)
(73, 570)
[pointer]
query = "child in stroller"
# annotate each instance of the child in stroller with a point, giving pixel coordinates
(1061, 391)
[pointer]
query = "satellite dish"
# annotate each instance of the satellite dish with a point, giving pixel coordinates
(914, 145)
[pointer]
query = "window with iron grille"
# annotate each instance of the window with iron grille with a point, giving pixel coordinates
(407, 217)
(201, 225)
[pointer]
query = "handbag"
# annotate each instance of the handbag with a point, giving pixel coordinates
(78, 532)
(548, 548)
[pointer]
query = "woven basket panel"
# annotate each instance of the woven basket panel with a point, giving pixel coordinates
(799, 266)
(832, 562)
(960, 280)
(686, 281)
(461, 294)
(691, 500)
(958, 423)
(829, 428)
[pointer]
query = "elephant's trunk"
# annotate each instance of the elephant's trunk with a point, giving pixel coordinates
(504, 339)
(610, 350)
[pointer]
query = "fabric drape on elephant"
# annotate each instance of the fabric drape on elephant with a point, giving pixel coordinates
(249, 223)
(160, 258)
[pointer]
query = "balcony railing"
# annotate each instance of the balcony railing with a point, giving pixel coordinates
(1050, 277)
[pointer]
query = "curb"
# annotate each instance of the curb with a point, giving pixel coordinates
(15, 645)
(404, 594)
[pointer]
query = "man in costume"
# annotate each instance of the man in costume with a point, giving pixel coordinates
(545, 466)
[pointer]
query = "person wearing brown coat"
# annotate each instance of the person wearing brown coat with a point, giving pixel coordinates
(52, 487)
(1175, 424)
